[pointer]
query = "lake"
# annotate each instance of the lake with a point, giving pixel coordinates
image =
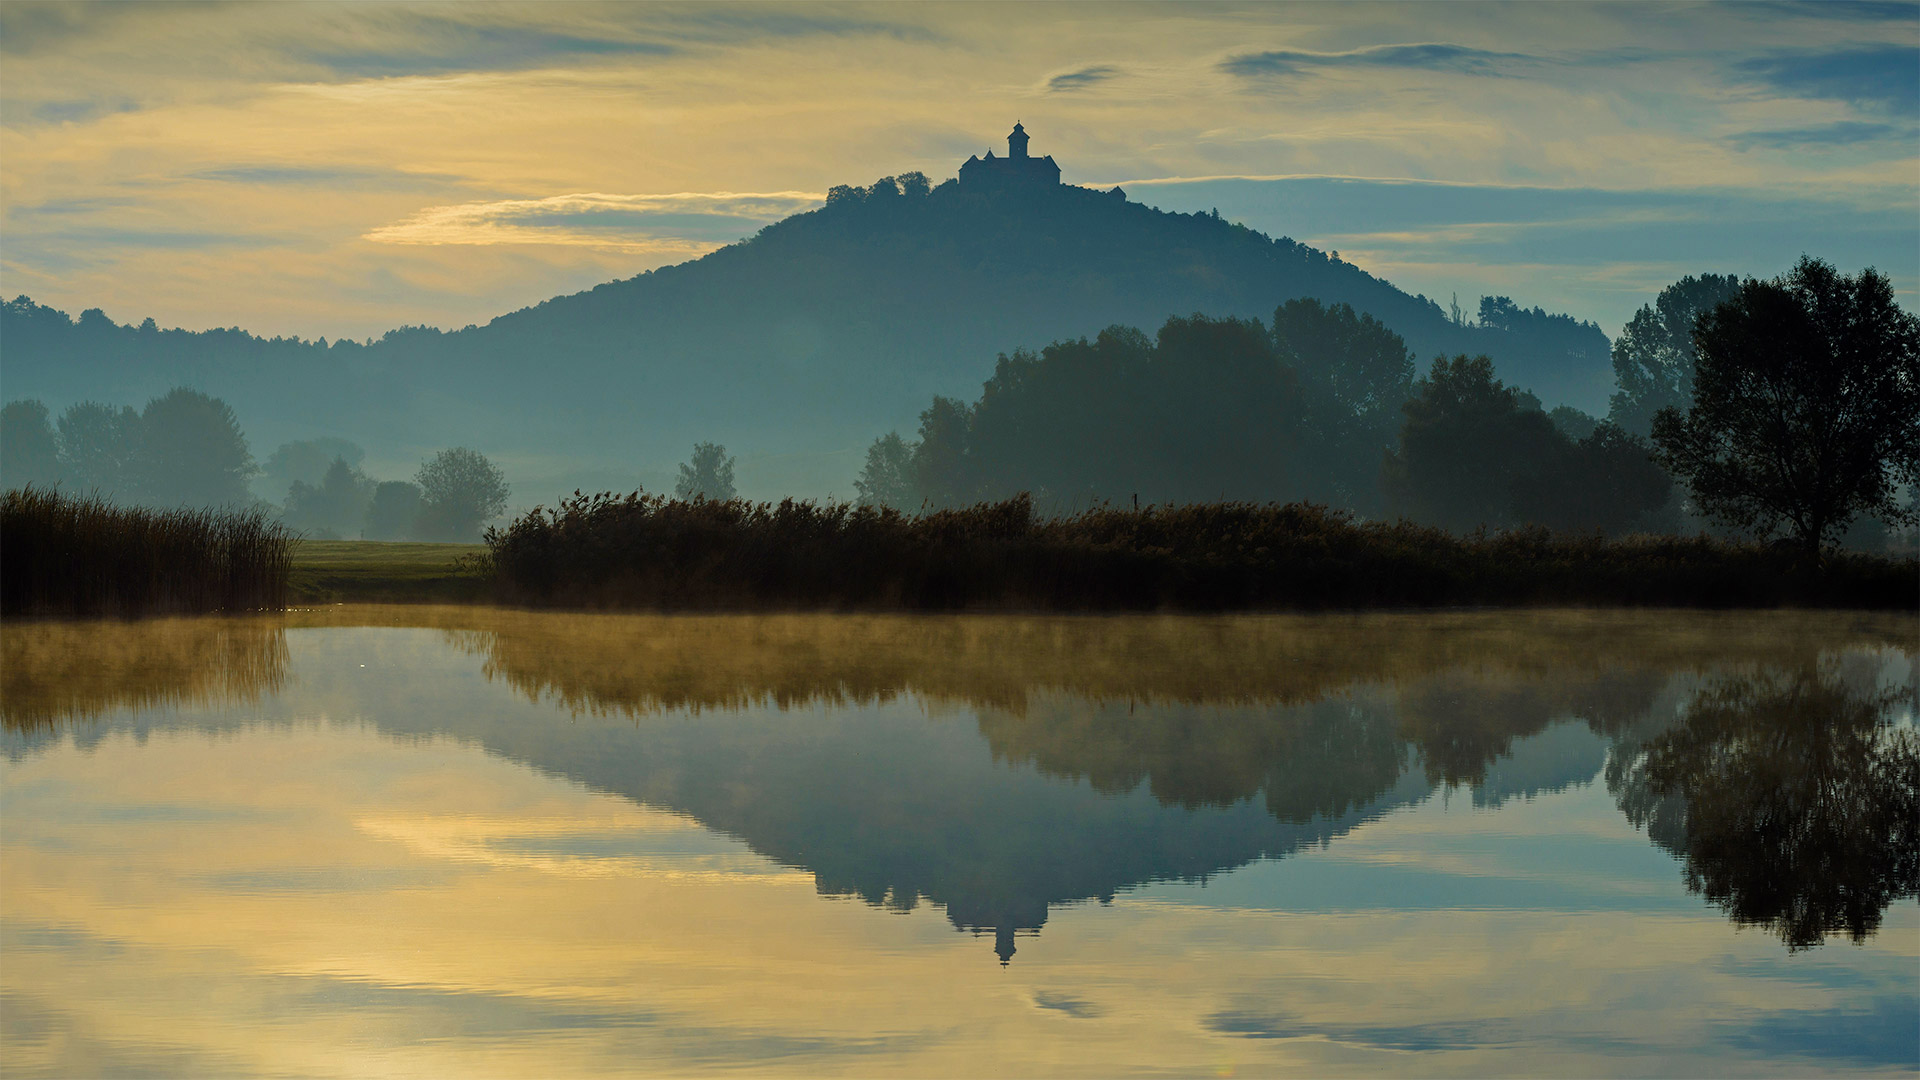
(475, 842)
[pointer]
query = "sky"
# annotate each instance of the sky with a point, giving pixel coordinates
(338, 170)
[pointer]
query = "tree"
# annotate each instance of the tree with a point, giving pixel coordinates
(887, 479)
(29, 452)
(941, 471)
(1606, 482)
(708, 476)
(1354, 374)
(393, 511)
(1806, 406)
(1653, 358)
(335, 507)
(306, 460)
(192, 452)
(460, 491)
(1467, 438)
(99, 449)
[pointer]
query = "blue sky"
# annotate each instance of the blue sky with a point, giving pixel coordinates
(341, 169)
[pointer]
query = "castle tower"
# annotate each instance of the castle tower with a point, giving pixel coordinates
(1017, 143)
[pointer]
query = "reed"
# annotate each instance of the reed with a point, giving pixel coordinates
(652, 553)
(62, 554)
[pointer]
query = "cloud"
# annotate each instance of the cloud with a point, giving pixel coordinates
(689, 223)
(1427, 56)
(78, 111)
(1082, 79)
(438, 46)
(1844, 133)
(1848, 10)
(1879, 78)
(321, 176)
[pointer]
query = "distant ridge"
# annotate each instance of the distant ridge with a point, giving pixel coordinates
(795, 347)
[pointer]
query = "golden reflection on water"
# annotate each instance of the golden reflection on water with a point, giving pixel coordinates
(627, 861)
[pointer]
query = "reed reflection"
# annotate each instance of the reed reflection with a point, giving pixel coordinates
(57, 672)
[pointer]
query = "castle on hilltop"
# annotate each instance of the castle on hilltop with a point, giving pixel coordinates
(1016, 170)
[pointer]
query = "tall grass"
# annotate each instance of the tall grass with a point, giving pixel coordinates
(62, 554)
(647, 552)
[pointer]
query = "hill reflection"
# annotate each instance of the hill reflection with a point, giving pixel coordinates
(1001, 766)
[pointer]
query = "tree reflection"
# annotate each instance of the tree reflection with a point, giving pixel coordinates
(1792, 795)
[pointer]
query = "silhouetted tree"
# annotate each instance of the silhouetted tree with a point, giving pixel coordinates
(192, 452)
(393, 511)
(460, 491)
(335, 507)
(708, 475)
(887, 478)
(1653, 358)
(1806, 405)
(29, 451)
(100, 450)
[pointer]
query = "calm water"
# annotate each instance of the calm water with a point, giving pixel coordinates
(448, 842)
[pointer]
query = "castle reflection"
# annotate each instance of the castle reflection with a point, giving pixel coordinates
(1061, 760)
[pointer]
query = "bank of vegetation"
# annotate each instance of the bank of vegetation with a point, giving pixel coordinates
(652, 553)
(62, 554)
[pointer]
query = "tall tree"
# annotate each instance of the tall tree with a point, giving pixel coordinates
(1354, 374)
(1806, 406)
(29, 450)
(460, 491)
(708, 475)
(100, 450)
(1653, 358)
(887, 478)
(192, 452)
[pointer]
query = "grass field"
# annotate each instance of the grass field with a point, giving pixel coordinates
(338, 571)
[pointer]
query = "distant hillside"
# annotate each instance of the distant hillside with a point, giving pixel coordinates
(795, 347)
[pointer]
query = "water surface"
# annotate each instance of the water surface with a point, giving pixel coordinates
(443, 841)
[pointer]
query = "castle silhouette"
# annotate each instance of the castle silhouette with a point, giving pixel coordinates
(1016, 170)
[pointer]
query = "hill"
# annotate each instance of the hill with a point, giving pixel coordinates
(794, 347)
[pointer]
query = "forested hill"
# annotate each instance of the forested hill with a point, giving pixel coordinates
(795, 347)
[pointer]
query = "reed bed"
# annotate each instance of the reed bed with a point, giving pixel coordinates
(62, 554)
(651, 553)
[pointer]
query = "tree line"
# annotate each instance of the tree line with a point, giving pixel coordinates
(1789, 406)
(186, 449)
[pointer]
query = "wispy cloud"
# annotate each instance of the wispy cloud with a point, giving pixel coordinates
(1422, 56)
(689, 222)
(321, 176)
(438, 46)
(1880, 78)
(1844, 133)
(1080, 80)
